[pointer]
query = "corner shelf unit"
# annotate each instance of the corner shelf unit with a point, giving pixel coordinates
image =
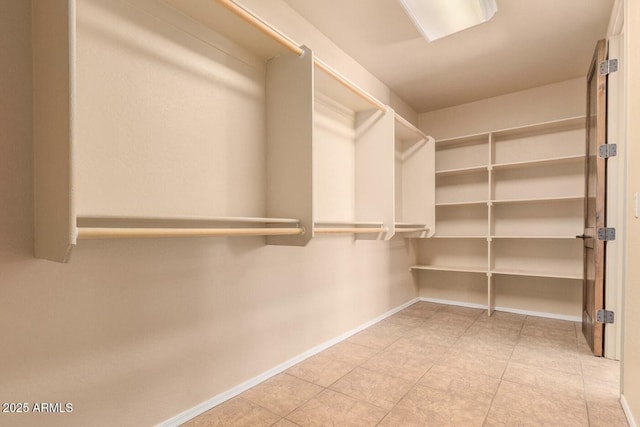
(164, 173)
(510, 203)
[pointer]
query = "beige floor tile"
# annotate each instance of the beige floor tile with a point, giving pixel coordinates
(330, 408)
(596, 390)
(235, 412)
(466, 384)
(494, 331)
(522, 405)
(321, 369)
(472, 313)
(435, 335)
(424, 406)
(373, 387)
(475, 362)
(489, 345)
(566, 346)
(550, 323)
(548, 358)
(285, 423)
(561, 335)
(282, 394)
(606, 370)
(399, 363)
(550, 381)
(405, 320)
(372, 339)
(609, 414)
(348, 352)
(422, 309)
(504, 319)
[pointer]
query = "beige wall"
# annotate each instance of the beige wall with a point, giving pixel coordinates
(135, 332)
(631, 340)
(546, 103)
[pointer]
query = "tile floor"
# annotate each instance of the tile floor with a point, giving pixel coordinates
(439, 365)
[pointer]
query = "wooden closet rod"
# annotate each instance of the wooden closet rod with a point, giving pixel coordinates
(268, 30)
(261, 26)
(350, 86)
(87, 233)
(409, 125)
(349, 230)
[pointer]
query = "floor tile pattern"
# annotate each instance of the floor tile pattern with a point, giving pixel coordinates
(439, 365)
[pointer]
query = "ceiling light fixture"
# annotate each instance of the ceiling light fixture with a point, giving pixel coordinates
(439, 18)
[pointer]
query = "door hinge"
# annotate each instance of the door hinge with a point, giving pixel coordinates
(608, 66)
(607, 150)
(604, 316)
(606, 233)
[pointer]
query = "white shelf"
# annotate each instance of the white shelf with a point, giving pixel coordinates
(536, 274)
(459, 237)
(530, 163)
(538, 200)
(571, 237)
(532, 178)
(460, 171)
(453, 269)
(469, 203)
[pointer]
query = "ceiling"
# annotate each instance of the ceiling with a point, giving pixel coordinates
(528, 43)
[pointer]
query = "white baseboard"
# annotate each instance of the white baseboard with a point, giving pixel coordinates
(222, 397)
(627, 412)
(505, 309)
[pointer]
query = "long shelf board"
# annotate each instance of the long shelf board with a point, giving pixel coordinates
(566, 237)
(537, 199)
(536, 274)
(548, 161)
(460, 171)
(476, 202)
(93, 220)
(459, 237)
(546, 127)
(454, 269)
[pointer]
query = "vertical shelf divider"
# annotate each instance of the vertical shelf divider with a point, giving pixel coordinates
(289, 87)
(54, 92)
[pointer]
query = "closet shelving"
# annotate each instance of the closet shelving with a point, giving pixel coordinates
(512, 201)
(414, 178)
(289, 206)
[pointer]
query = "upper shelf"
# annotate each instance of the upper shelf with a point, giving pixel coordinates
(540, 162)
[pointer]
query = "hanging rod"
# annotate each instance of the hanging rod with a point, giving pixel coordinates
(87, 233)
(350, 86)
(262, 26)
(406, 123)
(87, 220)
(349, 230)
(280, 38)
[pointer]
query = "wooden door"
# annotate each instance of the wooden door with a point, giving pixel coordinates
(595, 204)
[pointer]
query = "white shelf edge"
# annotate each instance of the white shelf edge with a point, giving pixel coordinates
(454, 269)
(571, 237)
(536, 199)
(468, 170)
(534, 274)
(549, 125)
(477, 202)
(526, 163)
(460, 237)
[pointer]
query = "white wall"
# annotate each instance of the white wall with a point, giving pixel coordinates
(133, 332)
(631, 339)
